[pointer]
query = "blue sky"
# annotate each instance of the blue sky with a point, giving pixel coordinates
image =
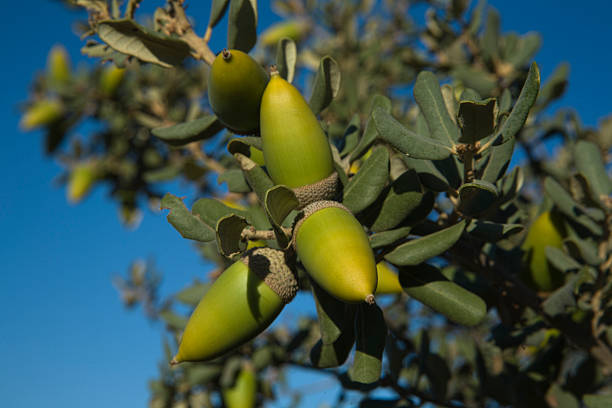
(66, 340)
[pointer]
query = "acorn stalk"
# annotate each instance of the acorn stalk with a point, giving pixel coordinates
(240, 304)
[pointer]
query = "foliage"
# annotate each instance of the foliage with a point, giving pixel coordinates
(427, 173)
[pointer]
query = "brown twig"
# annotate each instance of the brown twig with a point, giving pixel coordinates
(183, 28)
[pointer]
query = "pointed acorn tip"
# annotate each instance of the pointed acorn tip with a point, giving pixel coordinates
(174, 361)
(273, 70)
(370, 299)
(226, 54)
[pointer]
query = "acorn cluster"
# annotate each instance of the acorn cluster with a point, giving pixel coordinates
(326, 238)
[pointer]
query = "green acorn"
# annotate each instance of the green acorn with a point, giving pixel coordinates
(110, 79)
(58, 64)
(236, 83)
(296, 151)
(244, 391)
(335, 251)
(41, 113)
(240, 304)
(82, 178)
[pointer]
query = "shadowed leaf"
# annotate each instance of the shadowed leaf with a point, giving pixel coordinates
(326, 85)
(188, 132)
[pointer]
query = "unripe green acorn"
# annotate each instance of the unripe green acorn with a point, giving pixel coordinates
(236, 83)
(239, 305)
(82, 178)
(58, 64)
(244, 391)
(296, 150)
(335, 251)
(110, 79)
(41, 113)
(388, 281)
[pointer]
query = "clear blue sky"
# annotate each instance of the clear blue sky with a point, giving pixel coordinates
(66, 340)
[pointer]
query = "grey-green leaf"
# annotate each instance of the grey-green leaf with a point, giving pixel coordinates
(217, 10)
(279, 202)
(476, 119)
(429, 98)
(192, 294)
(371, 334)
(242, 25)
(188, 132)
(351, 135)
(526, 100)
(560, 260)
(229, 235)
(476, 197)
(243, 144)
(326, 85)
(363, 189)
(499, 160)
(587, 157)
(211, 211)
(406, 141)
(597, 401)
(492, 231)
(256, 176)
(187, 224)
(419, 250)
(381, 239)
(335, 317)
(130, 38)
(286, 55)
(173, 320)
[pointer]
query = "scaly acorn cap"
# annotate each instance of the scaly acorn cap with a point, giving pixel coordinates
(336, 252)
(296, 150)
(239, 305)
(326, 189)
(236, 83)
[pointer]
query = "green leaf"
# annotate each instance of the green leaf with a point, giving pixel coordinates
(187, 224)
(429, 174)
(363, 189)
(382, 239)
(188, 132)
(130, 38)
(429, 98)
(406, 141)
(421, 249)
(162, 174)
(331, 355)
(192, 295)
(405, 195)
(335, 317)
(587, 157)
(490, 37)
(438, 373)
(243, 144)
(426, 284)
(371, 333)
(566, 204)
(370, 132)
(326, 85)
(481, 81)
(527, 47)
(257, 178)
(172, 320)
(236, 182)
(476, 119)
(229, 235)
(561, 299)
(597, 401)
(492, 231)
(560, 260)
(211, 211)
(476, 197)
(217, 10)
(505, 101)
(584, 249)
(555, 87)
(201, 374)
(242, 25)
(525, 101)
(499, 160)
(560, 398)
(351, 135)
(286, 55)
(279, 202)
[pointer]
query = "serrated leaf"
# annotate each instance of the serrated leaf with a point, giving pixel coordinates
(242, 25)
(217, 10)
(279, 202)
(492, 231)
(476, 119)
(428, 96)
(229, 235)
(365, 187)
(286, 55)
(236, 182)
(426, 284)
(188, 132)
(421, 249)
(257, 178)
(476, 197)
(566, 204)
(406, 141)
(192, 294)
(130, 38)
(526, 100)
(188, 225)
(326, 85)
(211, 211)
(173, 320)
(371, 334)
(381, 239)
(405, 195)
(589, 163)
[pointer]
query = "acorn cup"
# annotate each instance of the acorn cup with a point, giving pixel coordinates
(296, 150)
(236, 83)
(239, 305)
(335, 251)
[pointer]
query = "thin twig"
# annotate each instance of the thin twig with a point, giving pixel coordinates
(183, 28)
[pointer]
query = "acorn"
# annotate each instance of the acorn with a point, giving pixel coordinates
(110, 79)
(42, 113)
(388, 281)
(58, 64)
(547, 230)
(335, 251)
(296, 150)
(295, 29)
(82, 178)
(244, 391)
(239, 305)
(236, 83)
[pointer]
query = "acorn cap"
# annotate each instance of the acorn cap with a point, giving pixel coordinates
(326, 189)
(271, 265)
